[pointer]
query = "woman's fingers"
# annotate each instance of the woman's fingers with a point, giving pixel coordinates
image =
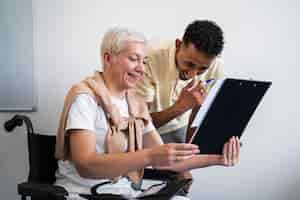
(230, 152)
(234, 151)
(237, 149)
(235, 154)
(184, 146)
(225, 149)
(187, 153)
(183, 151)
(181, 158)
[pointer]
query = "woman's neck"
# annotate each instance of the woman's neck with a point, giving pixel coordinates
(112, 87)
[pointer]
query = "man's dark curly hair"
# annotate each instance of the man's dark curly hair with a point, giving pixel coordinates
(206, 36)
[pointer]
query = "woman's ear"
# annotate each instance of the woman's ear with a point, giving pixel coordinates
(106, 59)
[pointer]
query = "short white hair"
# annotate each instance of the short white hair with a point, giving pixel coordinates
(114, 39)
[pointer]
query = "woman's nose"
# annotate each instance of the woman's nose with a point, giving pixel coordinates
(140, 67)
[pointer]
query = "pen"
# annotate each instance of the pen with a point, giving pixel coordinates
(208, 81)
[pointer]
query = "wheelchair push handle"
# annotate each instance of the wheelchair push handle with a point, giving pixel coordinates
(11, 124)
(18, 120)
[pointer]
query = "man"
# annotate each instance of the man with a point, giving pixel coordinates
(172, 85)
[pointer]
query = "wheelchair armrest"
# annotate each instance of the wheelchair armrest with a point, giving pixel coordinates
(103, 196)
(181, 178)
(156, 174)
(42, 189)
(173, 188)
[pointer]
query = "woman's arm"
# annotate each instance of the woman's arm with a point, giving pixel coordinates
(90, 164)
(230, 156)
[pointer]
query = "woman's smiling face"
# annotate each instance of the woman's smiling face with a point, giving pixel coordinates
(128, 65)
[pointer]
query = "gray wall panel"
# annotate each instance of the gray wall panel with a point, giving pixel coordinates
(16, 56)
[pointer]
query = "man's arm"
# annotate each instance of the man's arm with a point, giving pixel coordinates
(192, 95)
(161, 118)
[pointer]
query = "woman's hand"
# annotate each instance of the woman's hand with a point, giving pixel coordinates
(230, 157)
(168, 154)
(231, 152)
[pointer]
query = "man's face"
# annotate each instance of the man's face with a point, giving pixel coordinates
(189, 61)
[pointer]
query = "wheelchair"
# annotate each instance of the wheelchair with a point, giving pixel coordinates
(42, 167)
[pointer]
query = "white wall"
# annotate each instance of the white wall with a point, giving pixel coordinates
(261, 42)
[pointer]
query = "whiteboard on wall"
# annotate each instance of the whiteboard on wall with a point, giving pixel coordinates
(16, 56)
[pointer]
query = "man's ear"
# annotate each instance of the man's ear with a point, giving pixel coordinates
(178, 43)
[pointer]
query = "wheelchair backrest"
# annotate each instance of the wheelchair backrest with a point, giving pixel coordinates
(42, 164)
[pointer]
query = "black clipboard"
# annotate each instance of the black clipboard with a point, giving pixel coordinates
(228, 109)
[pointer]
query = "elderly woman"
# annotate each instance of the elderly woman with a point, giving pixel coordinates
(106, 134)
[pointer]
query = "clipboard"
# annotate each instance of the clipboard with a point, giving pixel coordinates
(226, 112)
